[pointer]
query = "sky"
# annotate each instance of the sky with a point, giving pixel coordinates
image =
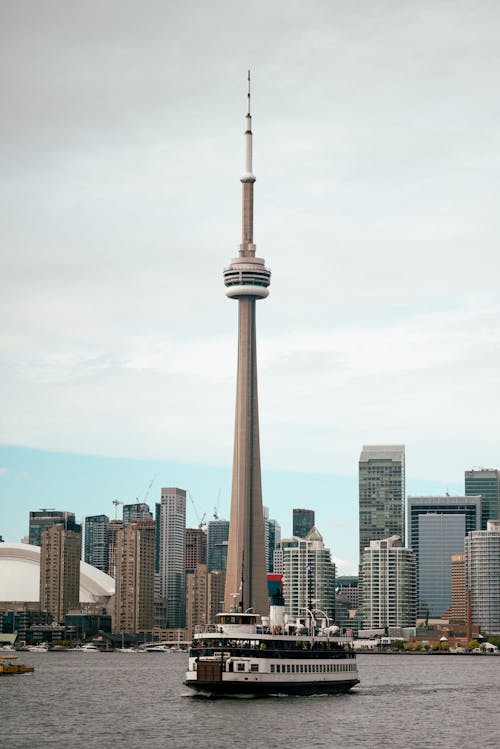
(376, 152)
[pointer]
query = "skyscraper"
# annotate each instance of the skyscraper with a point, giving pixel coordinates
(441, 536)
(135, 558)
(468, 510)
(136, 511)
(60, 555)
(96, 541)
(42, 520)
(196, 548)
(273, 539)
(482, 564)
(381, 493)
(218, 534)
(246, 279)
(308, 574)
(388, 584)
(114, 527)
(173, 555)
(444, 505)
(458, 607)
(303, 521)
(485, 482)
(196, 599)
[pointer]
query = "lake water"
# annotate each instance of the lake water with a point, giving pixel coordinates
(83, 700)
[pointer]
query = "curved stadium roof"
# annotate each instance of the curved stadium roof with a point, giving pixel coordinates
(20, 576)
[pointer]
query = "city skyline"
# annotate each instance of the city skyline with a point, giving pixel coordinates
(100, 479)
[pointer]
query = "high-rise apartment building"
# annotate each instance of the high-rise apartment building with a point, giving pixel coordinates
(218, 535)
(136, 511)
(96, 541)
(134, 596)
(303, 522)
(114, 526)
(388, 584)
(247, 280)
(60, 555)
(42, 520)
(482, 564)
(485, 482)
(173, 555)
(440, 536)
(308, 574)
(196, 548)
(381, 493)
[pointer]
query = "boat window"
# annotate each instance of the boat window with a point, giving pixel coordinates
(288, 668)
(272, 668)
(254, 667)
(241, 666)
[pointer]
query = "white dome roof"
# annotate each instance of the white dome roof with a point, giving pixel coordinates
(20, 576)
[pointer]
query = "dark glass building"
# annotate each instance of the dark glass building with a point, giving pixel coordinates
(303, 522)
(485, 482)
(42, 520)
(96, 544)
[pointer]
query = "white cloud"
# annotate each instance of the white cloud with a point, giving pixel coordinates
(375, 208)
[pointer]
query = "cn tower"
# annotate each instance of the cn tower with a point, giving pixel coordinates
(246, 280)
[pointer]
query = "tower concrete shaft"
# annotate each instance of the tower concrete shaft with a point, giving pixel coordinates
(246, 280)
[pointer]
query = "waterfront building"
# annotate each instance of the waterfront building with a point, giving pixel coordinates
(60, 553)
(486, 482)
(134, 599)
(96, 541)
(136, 511)
(114, 526)
(218, 535)
(440, 537)
(173, 555)
(482, 563)
(381, 493)
(42, 520)
(196, 548)
(388, 584)
(247, 280)
(303, 522)
(308, 574)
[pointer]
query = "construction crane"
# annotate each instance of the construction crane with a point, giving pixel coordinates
(149, 488)
(201, 523)
(117, 502)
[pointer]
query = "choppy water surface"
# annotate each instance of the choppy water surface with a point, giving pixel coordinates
(82, 700)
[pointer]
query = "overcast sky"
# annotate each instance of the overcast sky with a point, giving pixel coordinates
(376, 151)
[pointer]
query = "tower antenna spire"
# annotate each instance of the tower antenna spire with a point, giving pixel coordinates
(248, 95)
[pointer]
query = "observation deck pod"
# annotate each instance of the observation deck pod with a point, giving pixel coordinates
(247, 276)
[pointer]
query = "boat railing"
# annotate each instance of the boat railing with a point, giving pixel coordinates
(211, 628)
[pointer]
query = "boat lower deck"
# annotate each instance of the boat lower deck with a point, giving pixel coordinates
(259, 687)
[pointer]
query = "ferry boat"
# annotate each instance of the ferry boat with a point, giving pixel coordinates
(245, 654)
